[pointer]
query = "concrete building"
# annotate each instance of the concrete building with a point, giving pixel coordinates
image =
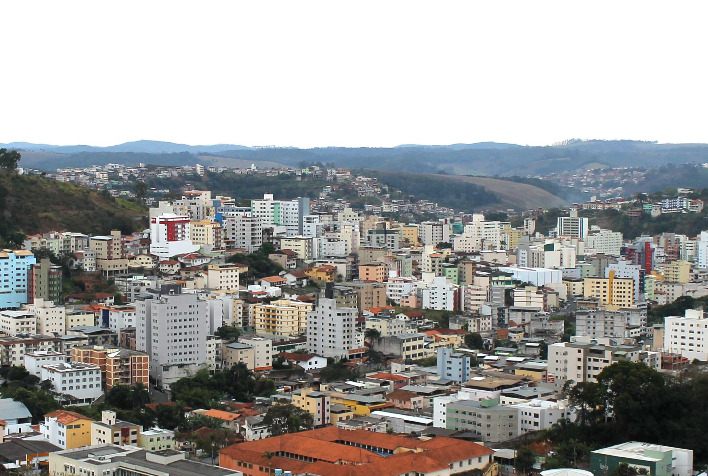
(118, 366)
(45, 282)
(620, 323)
(236, 352)
(703, 250)
(611, 291)
(156, 439)
(433, 232)
(18, 323)
(262, 351)
(314, 402)
(77, 382)
(453, 365)
(410, 346)
(172, 329)
(331, 330)
(242, 232)
(110, 430)
(14, 267)
(170, 236)
(604, 241)
(688, 335)
(281, 318)
(645, 458)
(51, 319)
(486, 419)
(224, 276)
(368, 295)
(441, 295)
(572, 226)
(110, 256)
(34, 361)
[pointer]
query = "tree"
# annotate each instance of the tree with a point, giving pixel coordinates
(543, 351)
(524, 460)
(229, 333)
(287, 418)
(141, 191)
(9, 159)
(474, 341)
(371, 335)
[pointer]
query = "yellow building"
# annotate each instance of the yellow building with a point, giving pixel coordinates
(322, 274)
(677, 271)
(576, 286)
(359, 404)
(66, 429)
(113, 431)
(610, 291)
(511, 236)
(409, 233)
(314, 402)
(281, 318)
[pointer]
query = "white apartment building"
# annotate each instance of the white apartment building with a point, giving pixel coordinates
(34, 361)
(434, 232)
(51, 319)
(620, 323)
(224, 276)
(687, 336)
(170, 235)
(172, 329)
(703, 250)
(604, 241)
(120, 317)
(15, 323)
(536, 414)
(573, 226)
(331, 330)
(78, 381)
(288, 213)
(440, 295)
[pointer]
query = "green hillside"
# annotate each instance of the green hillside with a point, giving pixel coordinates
(35, 205)
(469, 193)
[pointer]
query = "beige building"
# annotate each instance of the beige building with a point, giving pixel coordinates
(301, 245)
(51, 319)
(110, 259)
(369, 295)
(236, 352)
(677, 271)
(78, 317)
(282, 317)
(610, 291)
(14, 323)
(263, 351)
(112, 431)
(224, 276)
(156, 439)
(409, 233)
(372, 272)
(207, 232)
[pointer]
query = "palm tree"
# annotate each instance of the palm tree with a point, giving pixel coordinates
(268, 455)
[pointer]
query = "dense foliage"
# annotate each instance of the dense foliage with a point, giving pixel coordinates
(205, 391)
(259, 266)
(287, 418)
(631, 401)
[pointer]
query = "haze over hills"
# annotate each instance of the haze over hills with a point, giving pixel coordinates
(482, 159)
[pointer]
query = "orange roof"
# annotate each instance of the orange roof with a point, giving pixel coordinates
(273, 279)
(377, 310)
(221, 415)
(391, 377)
(337, 452)
(66, 417)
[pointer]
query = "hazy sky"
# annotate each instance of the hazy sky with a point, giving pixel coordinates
(363, 73)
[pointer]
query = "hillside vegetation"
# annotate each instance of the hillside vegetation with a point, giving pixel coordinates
(35, 205)
(469, 193)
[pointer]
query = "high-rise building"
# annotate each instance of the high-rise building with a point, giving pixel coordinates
(703, 250)
(573, 226)
(45, 282)
(14, 267)
(51, 319)
(688, 335)
(287, 213)
(170, 235)
(172, 329)
(331, 330)
(242, 231)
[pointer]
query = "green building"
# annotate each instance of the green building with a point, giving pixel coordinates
(646, 458)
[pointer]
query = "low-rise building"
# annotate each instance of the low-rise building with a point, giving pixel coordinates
(645, 458)
(118, 366)
(113, 431)
(66, 429)
(78, 383)
(157, 439)
(314, 402)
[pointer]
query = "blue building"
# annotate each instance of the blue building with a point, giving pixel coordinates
(453, 365)
(14, 277)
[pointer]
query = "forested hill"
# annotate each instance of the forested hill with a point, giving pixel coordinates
(34, 205)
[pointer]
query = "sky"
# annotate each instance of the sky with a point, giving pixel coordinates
(365, 73)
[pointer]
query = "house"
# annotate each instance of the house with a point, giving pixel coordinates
(157, 439)
(322, 274)
(306, 361)
(296, 278)
(169, 266)
(275, 281)
(13, 412)
(112, 431)
(228, 419)
(406, 400)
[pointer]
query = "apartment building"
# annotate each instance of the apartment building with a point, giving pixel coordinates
(207, 234)
(453, 365)
(262, 351)
(373, 272)
(678, 271)
(687, 335)
(235, 353)
(368, 295)
(45, 282)
(242, 232)
(156, 439)
(281, 318)
(410, 346)
(170, 235)
(314, 402)
(80, 383)
(225, 276)
(605, 241)
(441, 295)
(331, 329)
(611, 291)
(434, 232)
(485, 419)
(67, 430)
(34, 361)
(18, 323)
(51, 319)
(110, 257)
(14, 277)
(118, 366)
(13, 349)
(172, 329)
(620, 323)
